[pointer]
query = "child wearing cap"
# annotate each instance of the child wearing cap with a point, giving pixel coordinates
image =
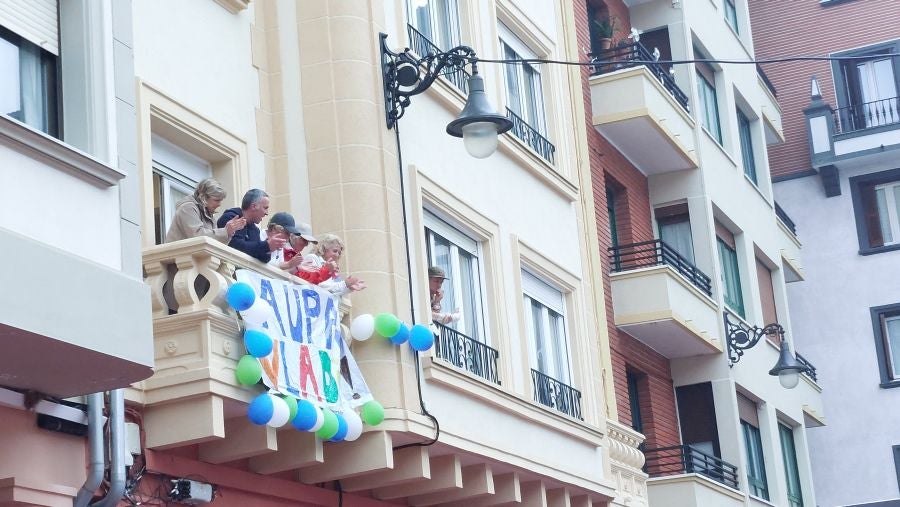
(290, 257)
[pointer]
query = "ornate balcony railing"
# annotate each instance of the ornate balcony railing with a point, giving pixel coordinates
(657, 253)
(633, 55)
(684, 459)
(554, 394)
(422, 47)
(531, 137)
(785, 219)
(467, 353)
(811, 372)
(873, 114)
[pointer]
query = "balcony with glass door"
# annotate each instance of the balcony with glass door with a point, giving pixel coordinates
(661, 298)
(638, 107)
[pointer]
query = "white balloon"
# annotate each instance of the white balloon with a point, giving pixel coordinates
(258, 313)
(320, 420)
(362, 327)
(354, 425)
(280, 412)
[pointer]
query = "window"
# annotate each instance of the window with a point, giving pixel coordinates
(766, 293)
(546, 325)
(756, 465)
(731, 15)
(176, 173)
(524, 94)
(436, 20)
(634, 402)
(730, 275)
(611, 213)
(708, 102)
(876, 204)
(746, 136)
(869, 92)
(674, 225)
(886, 327)
(791, 470)
(458, 255)
(28, 90)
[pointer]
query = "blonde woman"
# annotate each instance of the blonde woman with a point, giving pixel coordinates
(328, 252)
(194, 215)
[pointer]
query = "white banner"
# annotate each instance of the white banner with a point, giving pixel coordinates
(310, 359)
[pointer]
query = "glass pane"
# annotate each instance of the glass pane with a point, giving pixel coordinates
(678, 236)
(34, 87)
(747, 146)
(896, 209)
(561, 354)
(533, 99)
(892, 329)
(513, 99)
(467, 277)
(9, 86)
(789, 452)
(442, 260)
(731, 14)
(540, 342)
(883, 218)
(731, 280)
(421, 18)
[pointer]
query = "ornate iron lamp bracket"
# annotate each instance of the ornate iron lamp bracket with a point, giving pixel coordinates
(405, 75)
(740, 337)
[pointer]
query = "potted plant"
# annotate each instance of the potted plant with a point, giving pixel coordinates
(603, 30)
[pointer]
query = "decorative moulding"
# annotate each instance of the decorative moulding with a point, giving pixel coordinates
(234, 6)
(56, 153)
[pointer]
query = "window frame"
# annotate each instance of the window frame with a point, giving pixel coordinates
(840, 69)
(509, 41)
(889, 372)
(448, 20)
(860, 188)
(745, 135)
(708, 98)
(51, 77)
(561, 349)
(735, 305)
(792, 466)
(757, 483)
(731, 17)
(460, 240)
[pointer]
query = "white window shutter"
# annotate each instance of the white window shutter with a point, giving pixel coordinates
(33, 20)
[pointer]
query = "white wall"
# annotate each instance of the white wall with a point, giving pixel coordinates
(852, 457)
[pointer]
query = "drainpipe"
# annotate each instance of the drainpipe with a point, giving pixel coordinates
(95, 450)
(117, 450)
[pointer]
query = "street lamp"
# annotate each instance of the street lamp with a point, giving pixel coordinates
(739, 338)
(405, 75)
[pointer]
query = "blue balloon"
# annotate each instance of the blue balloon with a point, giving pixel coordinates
(240, 296)
(261, 409)
(306, 416)
(342, 429)
(401, 336)
(258, 343)
(421, 338)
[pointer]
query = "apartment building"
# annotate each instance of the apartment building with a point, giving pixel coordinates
(696, 253)
(836, 175)
(512, 403)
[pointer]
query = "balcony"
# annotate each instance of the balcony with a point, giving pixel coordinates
(662, 299)
(194, 411)
(531, 137)
(467, 353)
(640, 109)
(790, 246)
(692, 476)
(555, 394)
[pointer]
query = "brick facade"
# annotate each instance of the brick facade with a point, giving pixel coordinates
(633, 224)
(812, 29)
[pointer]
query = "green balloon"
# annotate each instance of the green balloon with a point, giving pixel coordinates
(387, 324)
(330, 427)
(292, 405)
(372, 413)
(248, 370)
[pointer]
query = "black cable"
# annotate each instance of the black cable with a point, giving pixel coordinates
(340, 489)
(597, 61)
(412, 309)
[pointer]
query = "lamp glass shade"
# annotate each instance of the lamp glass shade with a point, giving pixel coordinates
(480, 139)
(789, 378)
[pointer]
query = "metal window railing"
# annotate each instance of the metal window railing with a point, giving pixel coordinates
(657, 253)
(531, 136)
(873, 114)
(684, 459)
(423, 47)
(467, 353)
(632, 55)
(554, 394)
(785, 219)
(812, 373)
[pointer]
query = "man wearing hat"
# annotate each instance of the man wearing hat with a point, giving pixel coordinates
(298, 237)
(436, 277)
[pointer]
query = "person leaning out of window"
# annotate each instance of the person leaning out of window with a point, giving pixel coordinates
(194, 215)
